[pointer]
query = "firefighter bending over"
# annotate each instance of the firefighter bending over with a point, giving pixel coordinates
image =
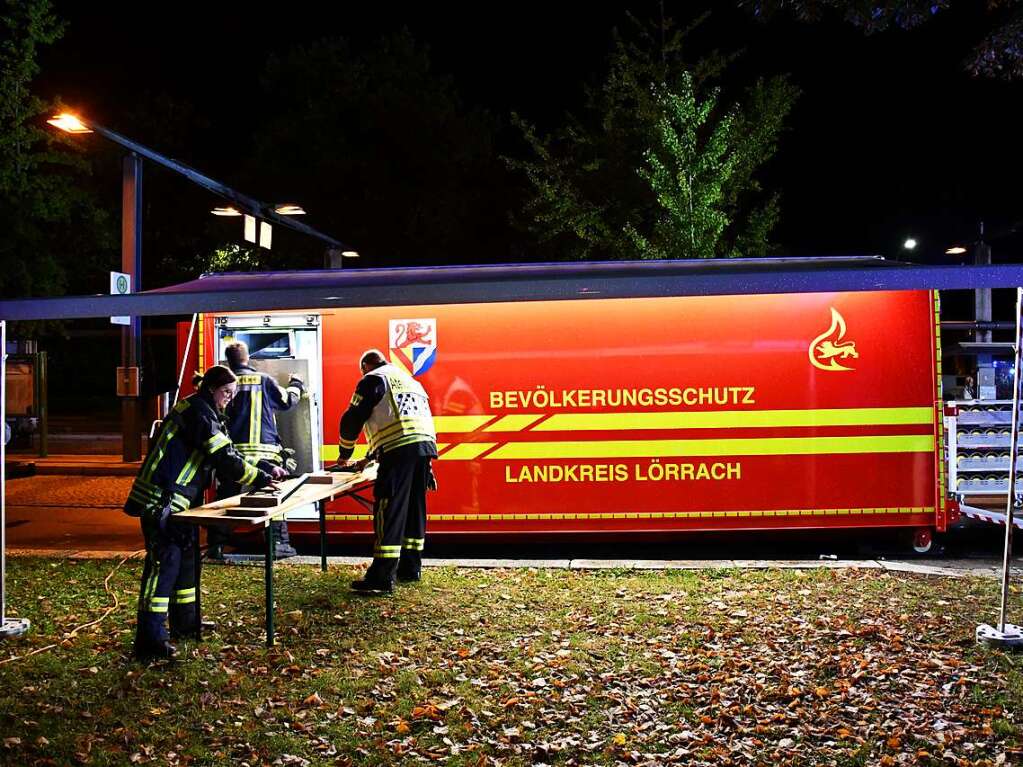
(252, 426)
(394, 410)
(176, 472)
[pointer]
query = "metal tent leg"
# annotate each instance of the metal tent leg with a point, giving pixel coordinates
(197, 564)
(9, 627)
(322, 508)
(1007, 634)
(269, 580)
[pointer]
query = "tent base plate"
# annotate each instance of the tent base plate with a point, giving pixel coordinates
(13, 627)
(1011, 637)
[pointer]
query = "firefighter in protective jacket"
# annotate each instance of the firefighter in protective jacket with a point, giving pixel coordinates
(191, 444)
(394, 411)
(252, 426)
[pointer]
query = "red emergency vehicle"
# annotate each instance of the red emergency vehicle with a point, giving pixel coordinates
(808, 410)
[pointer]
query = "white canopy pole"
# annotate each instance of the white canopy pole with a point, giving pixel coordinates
(184, 358)
(8, 626)
(1007, 634)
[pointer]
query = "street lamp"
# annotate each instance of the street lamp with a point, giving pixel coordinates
(909, 244)
(131, 250)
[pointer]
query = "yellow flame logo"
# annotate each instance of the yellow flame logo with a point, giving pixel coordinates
(829, 347)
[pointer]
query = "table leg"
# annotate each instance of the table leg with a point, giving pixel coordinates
(198, 586)
(323, 534)
(269, 578)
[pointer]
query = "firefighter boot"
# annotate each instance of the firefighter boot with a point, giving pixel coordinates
(147, 653)
(379, 578)
(283, 548)
(410, 567)
(367, 587)
(148, 644)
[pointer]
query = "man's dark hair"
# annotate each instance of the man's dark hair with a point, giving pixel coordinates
(237, 353)
(372, 359)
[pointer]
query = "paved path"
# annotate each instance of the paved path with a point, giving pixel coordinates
(80, 515)
(978, 568)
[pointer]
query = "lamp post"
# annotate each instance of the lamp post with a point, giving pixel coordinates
(131, 334)
(131, 249)
(128, 378)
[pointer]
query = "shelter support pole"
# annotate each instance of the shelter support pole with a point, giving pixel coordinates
(8, 626)
(1007, 634)
(131, 335)
(322, 509)
(268, 576)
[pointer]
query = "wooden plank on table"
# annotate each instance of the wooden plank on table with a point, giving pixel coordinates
(230, 512)
(264, 499)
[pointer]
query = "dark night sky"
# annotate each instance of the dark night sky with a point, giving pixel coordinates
(891, 136)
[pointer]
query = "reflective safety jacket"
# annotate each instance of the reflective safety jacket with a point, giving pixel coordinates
(190, 445)
(393, 409)
(250, 415)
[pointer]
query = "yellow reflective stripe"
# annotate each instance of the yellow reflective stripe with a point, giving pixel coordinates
(915, 510)
(410, 440)
(190, 468)
(459, 424)
(347, 443)
(738, 419)
(249, 474)
(154, 458)
(413, 544)
(185, 592)
(267, 451)
(255, 416)
(513, 422)
(144, 492)
(403, 424)
(908, 443)
(179, 502)
(467, 451)
(332, 453)
(387, 552)
(217, 442)
(181, 407)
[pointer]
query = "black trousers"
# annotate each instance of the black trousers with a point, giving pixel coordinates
(168, 579)
(399, 517)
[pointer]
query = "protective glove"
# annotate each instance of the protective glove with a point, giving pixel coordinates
(297, 382)
(431, 479)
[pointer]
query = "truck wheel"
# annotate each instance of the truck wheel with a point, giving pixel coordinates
(923, 540)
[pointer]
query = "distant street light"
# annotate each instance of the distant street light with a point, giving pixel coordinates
(909, 244)
(253, 224)
(956, 250)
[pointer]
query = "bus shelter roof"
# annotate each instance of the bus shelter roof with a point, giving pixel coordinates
(336, 288)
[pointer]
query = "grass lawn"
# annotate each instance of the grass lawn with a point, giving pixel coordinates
(518, 667)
